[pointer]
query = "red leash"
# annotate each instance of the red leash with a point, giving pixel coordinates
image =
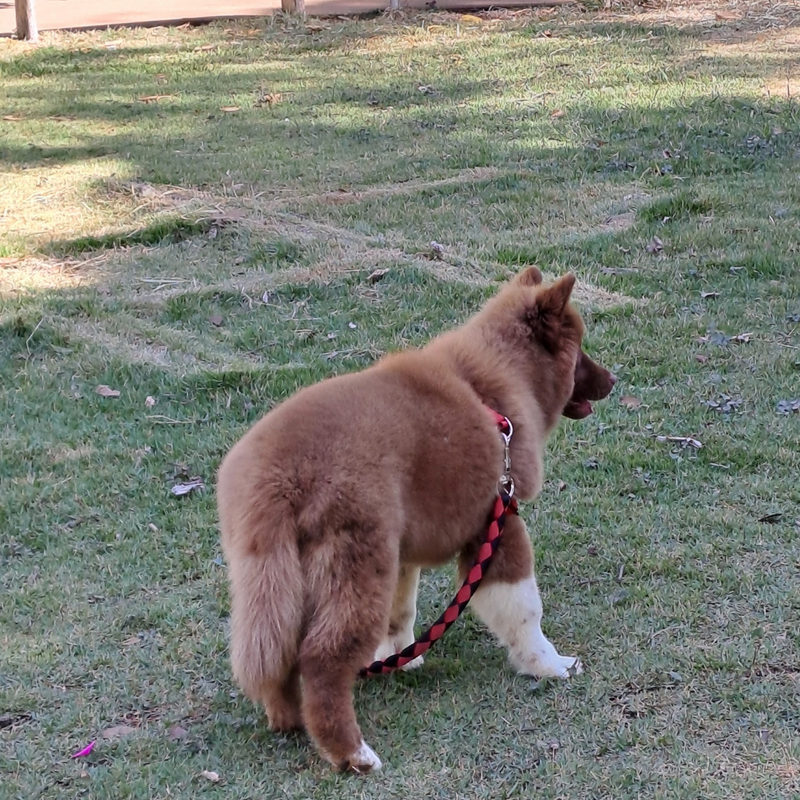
(504, 504)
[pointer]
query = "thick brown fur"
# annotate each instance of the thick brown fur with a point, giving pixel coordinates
(338, 490)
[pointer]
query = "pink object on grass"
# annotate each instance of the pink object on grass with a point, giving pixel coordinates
(85, 752)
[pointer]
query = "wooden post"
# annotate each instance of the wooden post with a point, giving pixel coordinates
(293, 6)
(26, 20)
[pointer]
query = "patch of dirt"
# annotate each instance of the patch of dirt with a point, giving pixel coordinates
(721, 20)
(61, 453)
(28, 274)
(406, 187)
(618, 222)
(180, 353)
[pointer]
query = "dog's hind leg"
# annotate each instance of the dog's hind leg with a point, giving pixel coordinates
(351, 583)
(508, 601)
(401, 620)
(329, 715)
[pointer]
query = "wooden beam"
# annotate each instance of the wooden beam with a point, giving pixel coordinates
(26, 20)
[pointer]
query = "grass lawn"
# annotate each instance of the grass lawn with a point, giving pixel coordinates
(191, 218)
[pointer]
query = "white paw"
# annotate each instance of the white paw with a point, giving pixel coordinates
(364, 760)
(415, 664)
(389, 647)
(552, 666)
(385, 649)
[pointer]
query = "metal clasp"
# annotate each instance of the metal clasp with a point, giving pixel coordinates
(506, 482)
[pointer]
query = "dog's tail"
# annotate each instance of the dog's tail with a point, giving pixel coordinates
(266, 605)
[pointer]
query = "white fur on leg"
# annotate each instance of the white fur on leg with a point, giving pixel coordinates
(401, 620)
(513, 613)
(364, 760)
(388, 648)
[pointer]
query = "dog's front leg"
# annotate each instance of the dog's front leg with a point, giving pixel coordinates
(508, 602)
(401, 621)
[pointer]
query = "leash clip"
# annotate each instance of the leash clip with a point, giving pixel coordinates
(506, 482)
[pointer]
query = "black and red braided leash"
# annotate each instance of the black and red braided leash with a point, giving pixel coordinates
(504, 505)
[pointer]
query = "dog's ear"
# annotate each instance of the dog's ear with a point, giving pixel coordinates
(556, 296)
(545, 315)
(531, 276)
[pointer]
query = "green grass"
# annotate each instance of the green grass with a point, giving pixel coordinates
(216, 261)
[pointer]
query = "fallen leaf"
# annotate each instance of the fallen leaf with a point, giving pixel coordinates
(204, 48)
(725, 16)
(619, 270)
(106, 391)
(375, 276)
(176, 733)
(704, 295)
(630, 402)
(764, 736)
(558, 113)
(427, 89)
(471, 18)
(154, 98)
(700, 358)
(716, 337)
(268, 99)
(8, 720)
(561, 486)
(84, 751)
(211, 776)
(149, 401)
(352, 326)
(216, 320)
(437, 251)
(131, 640)
(682, 440)
(13, 118)
(152, 527)
(721, 339)
(655, 245)
(230, 109)
(182, 489)
(618, 596)
(118, 732)
(786, 407)
(551, 744)
(772, 518)
(724, 404)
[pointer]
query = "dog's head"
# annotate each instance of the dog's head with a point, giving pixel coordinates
(592, 382)
(566, 380)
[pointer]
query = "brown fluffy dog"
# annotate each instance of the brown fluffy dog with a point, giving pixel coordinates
(330, 505)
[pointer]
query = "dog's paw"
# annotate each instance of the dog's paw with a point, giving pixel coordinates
(415, 664)
(569, 668)
(554, 666)
(363, 761)
(389, 647)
